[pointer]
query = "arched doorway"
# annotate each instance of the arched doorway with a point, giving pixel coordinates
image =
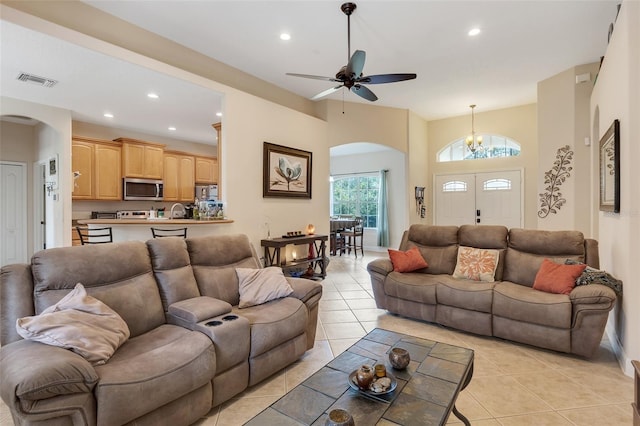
(361, 159)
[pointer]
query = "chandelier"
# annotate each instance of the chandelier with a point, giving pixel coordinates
(474, 143)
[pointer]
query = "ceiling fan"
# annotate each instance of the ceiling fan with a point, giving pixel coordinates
(350, 75)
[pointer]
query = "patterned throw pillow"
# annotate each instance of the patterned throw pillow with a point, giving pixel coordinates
(407, 261)
(476, 264)
(597, 276)
(557, 278)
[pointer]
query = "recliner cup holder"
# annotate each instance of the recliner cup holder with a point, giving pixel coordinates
(213, 323)
(229, 317)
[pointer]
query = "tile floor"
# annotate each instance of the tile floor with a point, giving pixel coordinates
(512, 385)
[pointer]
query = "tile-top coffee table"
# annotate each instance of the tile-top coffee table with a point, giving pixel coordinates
(426, 393)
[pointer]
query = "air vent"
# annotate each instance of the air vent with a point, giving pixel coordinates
(40, 81)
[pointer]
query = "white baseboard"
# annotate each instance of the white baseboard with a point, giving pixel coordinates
(618, 350)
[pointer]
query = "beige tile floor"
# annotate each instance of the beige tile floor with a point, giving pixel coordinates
(512, 385)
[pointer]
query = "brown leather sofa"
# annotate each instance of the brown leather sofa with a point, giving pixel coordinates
(190, 348)
(508, 308)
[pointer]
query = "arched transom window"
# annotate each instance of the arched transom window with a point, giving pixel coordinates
(492, 146)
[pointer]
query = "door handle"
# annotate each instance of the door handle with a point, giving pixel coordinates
(478, 213)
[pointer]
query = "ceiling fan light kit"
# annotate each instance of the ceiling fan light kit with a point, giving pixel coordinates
(350, 75)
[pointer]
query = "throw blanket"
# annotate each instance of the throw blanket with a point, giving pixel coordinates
(596, 276)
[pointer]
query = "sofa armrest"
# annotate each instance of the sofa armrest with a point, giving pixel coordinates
(187, 313)
(380, 266)
(34, 371)
(593, 294)
(304, 289)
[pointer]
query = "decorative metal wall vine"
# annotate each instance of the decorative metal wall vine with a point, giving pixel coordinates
(551, 200)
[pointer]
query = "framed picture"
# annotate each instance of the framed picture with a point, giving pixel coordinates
(610, 169)
(287, 172)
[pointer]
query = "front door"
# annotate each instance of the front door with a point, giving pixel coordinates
(489, 198)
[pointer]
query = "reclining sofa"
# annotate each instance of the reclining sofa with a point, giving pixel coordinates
(509, 307)
(190, 347)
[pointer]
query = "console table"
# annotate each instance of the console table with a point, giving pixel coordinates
(273, 253)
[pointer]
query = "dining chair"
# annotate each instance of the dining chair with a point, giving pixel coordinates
(165, 232)
(94, 235)
(352, 235)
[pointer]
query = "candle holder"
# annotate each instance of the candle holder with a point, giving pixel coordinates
(339, 417)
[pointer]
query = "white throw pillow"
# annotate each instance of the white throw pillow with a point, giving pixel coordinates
(476, 264)
(78, 322)
(259, 286)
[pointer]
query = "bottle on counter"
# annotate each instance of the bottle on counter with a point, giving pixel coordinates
(196, 211)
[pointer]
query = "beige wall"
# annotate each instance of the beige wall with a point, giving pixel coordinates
(518, 123)
(417, 169)
(18, 143)
(563, 119)
(53, 137)
(616, 95)
(365, 123)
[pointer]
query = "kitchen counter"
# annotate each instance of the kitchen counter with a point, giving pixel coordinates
(140, 229)
(150, 222)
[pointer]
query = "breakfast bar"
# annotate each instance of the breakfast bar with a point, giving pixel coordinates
(140, 229)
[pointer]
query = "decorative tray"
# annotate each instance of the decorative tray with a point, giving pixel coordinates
(294, 236)
(354, 385)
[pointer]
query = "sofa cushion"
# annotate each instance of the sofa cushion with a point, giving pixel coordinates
(152, 370)
(522, 303)
(486, 237)
(466, 294)
(258, 286)
(437, 244)
(528, 247)
(274, 323)
(407, 261)
(80, 323)
(412, 286)
(556, 278)
(128, 286)
(172, 269)
(476, 264)
(214, 260)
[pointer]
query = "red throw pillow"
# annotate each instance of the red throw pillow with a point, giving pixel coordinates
(407, 261)
(557, 278)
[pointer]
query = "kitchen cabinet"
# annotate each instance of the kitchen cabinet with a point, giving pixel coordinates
(179, 174)
(99, 163)
(141, 159)
(206, 170)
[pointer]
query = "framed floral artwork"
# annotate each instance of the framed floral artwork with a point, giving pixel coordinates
(286, 172)
(610, 169)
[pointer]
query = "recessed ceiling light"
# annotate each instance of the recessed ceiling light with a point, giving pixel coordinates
(474, 32)
(218, 114)
(108, 115)
(152, 95)
(172, 128)
(285, 36)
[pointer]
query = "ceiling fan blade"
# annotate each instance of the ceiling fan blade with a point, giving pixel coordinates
(327, 92)
(356, 63)
(385, 78)
(364, 92)
(315, 77)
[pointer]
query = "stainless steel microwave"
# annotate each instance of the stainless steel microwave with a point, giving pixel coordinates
(142, 189)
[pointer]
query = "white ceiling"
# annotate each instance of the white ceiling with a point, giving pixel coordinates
(521, 43)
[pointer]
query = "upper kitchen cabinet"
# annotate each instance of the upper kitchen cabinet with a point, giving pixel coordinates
(178, 176)
(206, 170)
(141, 159)
(99, 165)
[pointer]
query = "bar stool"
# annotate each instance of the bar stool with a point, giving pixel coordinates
(94, 235)
(165, 232)
(351, 236)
